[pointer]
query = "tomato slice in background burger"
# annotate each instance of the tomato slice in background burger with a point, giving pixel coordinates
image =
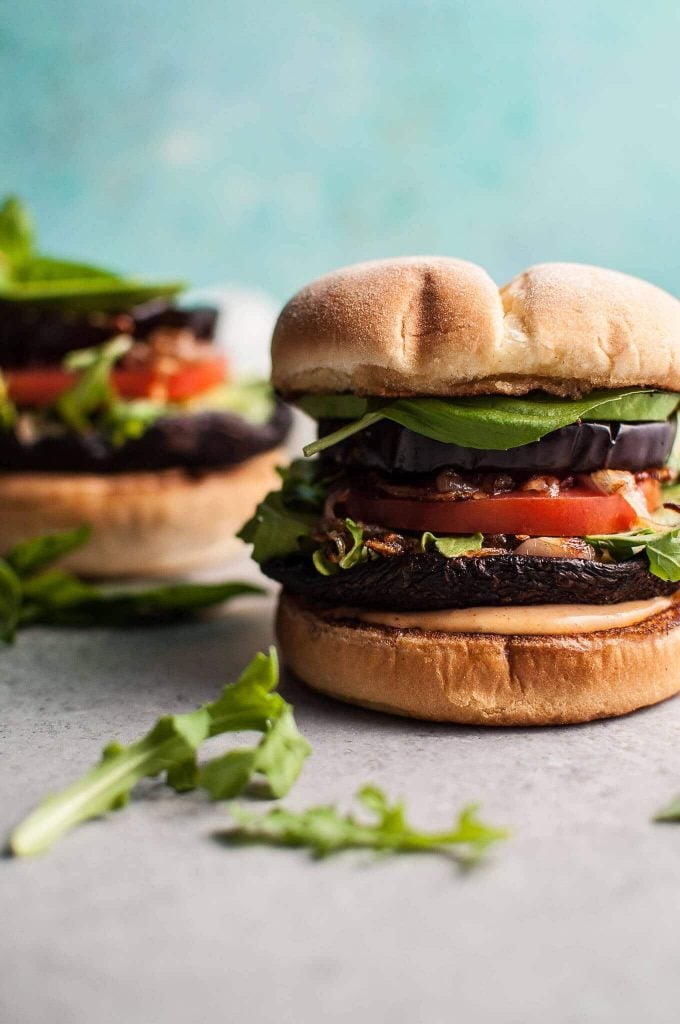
(40, 386)
(191, 379)
(575, 513)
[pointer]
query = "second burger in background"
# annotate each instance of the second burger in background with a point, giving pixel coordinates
(117, 410)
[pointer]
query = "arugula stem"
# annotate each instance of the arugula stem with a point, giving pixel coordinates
(342, 433)
(106, 783)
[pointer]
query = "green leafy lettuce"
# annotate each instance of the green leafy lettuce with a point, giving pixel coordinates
(33, 592)
(662, 548)
(171, 746)
(27, 275)
(324, 830)
(492, 422)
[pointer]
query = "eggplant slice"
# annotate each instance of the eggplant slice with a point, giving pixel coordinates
(193, 441)
(429, 581)
(577, 448)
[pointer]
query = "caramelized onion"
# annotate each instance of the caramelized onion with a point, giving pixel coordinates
(547, 485)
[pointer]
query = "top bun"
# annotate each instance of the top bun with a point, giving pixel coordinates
(429, 325)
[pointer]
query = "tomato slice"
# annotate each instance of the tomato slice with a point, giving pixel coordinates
(192, 379)
(575, 513)
(40, 386)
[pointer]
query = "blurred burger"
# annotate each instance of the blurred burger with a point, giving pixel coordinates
(116, 409)
(488, 533)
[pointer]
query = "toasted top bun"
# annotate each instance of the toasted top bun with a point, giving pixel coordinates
(429, 325)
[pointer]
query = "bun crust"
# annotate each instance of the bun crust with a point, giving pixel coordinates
(480, 679)
(144, 524)
(439, 326)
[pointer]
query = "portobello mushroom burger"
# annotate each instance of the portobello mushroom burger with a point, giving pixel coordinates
(487, 532)
(117, 411)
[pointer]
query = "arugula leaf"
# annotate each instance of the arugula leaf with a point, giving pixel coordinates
(276, 529)
(662, 548)
(451, 547)
(171, 746)
(28, 556)
(499, 423)
(664, 556)
(16, 231)
(324, 830)
(287, 517)
(303, 487)
(173, 740)
(57, 598)
(93, 390)
(29, 276)
(31, 593)
(8, 411)
(333, 407)
(251, 399)
(670, 812)
(357, 553)
(278, 757)
(10, 602)
(127, 421)
(94, 292)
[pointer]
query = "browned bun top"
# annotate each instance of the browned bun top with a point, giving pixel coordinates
(429, 325)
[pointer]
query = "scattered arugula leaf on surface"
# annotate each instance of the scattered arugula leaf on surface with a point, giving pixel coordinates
(278, 759)
(171, 746)
(29, 556)
(669, 812)
(10, 603)
(58, 598)
(33, 592)
(325, 830)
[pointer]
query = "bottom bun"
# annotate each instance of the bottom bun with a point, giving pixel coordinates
(143, 524)
(482, 679)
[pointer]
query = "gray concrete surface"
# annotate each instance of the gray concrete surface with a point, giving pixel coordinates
(145, 919)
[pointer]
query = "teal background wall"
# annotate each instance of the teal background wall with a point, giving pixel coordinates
(267, 142)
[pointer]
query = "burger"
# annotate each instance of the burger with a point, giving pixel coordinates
(117, 410)
(486, 532)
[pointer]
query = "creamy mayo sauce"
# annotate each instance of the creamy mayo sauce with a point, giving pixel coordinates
(535, 620)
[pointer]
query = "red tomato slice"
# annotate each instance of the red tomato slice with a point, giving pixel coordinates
(37, 387)
(576, 513)
(40, 386)
(192, 379)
